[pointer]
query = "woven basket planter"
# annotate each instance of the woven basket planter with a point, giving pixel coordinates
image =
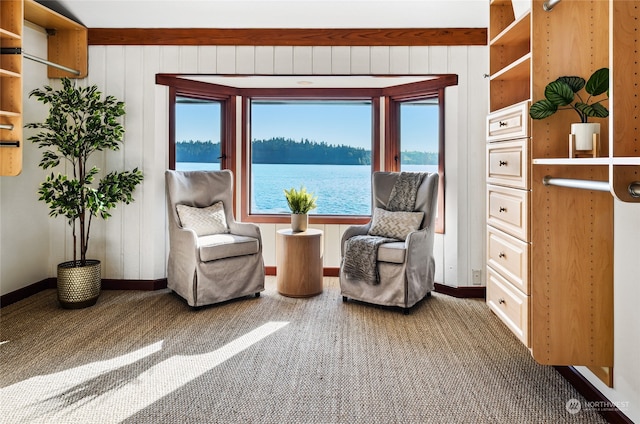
(78, 286)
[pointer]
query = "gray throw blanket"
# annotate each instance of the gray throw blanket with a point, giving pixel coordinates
(361, 252)
(360, 257)
(403, 193)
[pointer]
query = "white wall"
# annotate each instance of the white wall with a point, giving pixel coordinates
(133, 243)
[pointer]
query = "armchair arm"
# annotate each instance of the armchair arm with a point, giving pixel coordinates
(419, 245)
(248, 229)
(354, 230)
(183, 254)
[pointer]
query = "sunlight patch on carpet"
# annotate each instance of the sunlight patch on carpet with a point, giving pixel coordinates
(111, 390)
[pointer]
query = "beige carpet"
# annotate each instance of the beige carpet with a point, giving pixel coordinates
(146, 357)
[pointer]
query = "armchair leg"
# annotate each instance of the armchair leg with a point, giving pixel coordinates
(345, 298)
(405, 311)
(258, 294)
(429, 294)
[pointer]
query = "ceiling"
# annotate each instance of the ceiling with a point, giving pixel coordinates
(274, 13)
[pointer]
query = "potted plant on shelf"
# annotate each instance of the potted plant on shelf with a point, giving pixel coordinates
(300, 203)
(560, 95)
(79, 124)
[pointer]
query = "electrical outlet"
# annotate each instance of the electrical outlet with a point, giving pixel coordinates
(476, 276)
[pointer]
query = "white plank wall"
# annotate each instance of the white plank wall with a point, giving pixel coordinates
(133, 244)
(458, 251)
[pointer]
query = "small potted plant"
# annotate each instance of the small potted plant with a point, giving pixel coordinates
(561, 94)
(80, 123)
(300, 203)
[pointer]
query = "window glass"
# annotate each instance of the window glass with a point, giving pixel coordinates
(198, 130)
(419, 135)
(323, 145)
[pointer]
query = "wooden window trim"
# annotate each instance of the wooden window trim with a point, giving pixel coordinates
(392, 145)
(297, 94)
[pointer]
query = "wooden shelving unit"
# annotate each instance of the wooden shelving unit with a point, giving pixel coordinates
(10, 88)
(67, 46)
(509, 56)
(569, 296)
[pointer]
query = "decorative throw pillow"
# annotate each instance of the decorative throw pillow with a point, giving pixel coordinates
(395, 225)
(204, 221)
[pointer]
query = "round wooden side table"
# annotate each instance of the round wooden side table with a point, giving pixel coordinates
(299, 262)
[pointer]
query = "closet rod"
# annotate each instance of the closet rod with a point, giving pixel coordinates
(6, 127)
(18, 50)
(550, 4)
(573, 183)
(634, 189)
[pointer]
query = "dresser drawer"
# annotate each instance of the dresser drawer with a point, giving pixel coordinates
(507, 163)
(507, 210)
(509, 304)
(510, 257)
(509, 123)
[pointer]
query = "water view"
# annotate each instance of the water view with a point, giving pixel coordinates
(341, 189)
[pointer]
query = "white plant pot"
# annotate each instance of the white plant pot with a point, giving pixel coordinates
(583, 133)
(299, 222)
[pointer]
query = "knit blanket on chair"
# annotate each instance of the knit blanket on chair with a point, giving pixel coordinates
(361, 252)
(360, 257)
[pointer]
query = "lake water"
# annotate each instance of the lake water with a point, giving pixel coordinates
(341, 189)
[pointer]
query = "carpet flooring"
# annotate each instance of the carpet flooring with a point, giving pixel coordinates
(146, 357)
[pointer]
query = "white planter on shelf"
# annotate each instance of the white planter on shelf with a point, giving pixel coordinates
(583, 134)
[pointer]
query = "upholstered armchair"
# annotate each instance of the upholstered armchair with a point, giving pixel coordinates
(398, 269)
(212, 258)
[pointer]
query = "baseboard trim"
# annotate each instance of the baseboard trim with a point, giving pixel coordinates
(107, 284)
(475, 292)
(161, 283)
(609, 412)
(24, 292)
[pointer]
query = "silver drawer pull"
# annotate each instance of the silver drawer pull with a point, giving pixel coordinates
(501, 301)
(502, 255)
(502, 209)
(502, 124)
(503, 163)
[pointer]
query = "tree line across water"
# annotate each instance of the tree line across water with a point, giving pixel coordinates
(289, 151)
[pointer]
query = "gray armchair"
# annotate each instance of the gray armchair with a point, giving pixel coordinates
(212, 258)
(403, 268)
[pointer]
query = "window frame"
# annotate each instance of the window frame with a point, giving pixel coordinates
(393, 148)
(389, 97)
(204, 91)
(290, 94)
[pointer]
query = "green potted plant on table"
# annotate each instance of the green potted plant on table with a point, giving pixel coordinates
(79, 124)
(561, 95)
(300, 203)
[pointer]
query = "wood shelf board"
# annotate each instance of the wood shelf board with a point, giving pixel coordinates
(9, 113)
(5, 73)
(520, 69)
(47, 18)
(588, 161)
(568, 161)
(519, 31)
(5, 34)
